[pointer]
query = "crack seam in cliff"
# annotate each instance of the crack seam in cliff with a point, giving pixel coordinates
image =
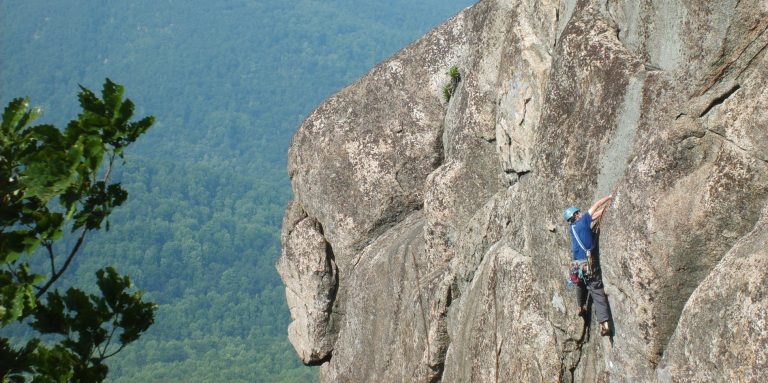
(496, 343)
(741, 149)
(476, 265)
(421, 304)
(292, 228)
(383, 226)
(296, 293)
(525, 111)
(718, 74)
(577, 349)
(749, 63)
(719, 100)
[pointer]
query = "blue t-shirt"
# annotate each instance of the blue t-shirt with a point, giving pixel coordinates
(583, 230)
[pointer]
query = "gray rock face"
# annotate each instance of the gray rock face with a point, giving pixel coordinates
(425, 242)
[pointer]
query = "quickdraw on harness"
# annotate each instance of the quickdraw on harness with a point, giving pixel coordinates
(581, 272)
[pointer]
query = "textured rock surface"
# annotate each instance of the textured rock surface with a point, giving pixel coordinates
(425, 242)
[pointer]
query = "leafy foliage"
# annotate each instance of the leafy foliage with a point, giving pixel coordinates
(450, 88)
(229, 82)
(56, 181)
(454, 73)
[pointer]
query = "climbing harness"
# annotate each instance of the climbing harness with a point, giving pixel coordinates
(581, 269)
(578, 274)
(589, 268)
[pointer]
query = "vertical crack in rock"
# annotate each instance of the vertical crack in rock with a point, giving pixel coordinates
(496, 344)
(570, 356)
(525, 110)
(438, 331)
(330, 265)
(420, 294)
(436, 361)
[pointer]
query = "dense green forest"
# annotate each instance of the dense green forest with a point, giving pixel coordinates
(228, 82)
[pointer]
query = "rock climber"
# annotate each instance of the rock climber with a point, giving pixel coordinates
(585, 267)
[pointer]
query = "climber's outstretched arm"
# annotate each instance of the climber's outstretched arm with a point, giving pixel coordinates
(596, 211)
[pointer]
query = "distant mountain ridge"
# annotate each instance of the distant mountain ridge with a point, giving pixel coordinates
(212, 72)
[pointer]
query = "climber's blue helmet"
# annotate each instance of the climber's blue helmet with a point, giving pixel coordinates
(569, 212)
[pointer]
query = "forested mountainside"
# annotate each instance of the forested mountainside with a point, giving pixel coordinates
(229, 82)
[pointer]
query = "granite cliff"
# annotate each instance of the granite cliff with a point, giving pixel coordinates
(425, 242)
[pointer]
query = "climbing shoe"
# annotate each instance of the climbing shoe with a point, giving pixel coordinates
(605, 329)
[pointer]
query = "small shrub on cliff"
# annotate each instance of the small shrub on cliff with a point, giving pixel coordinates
(450, 87)
(454, 73)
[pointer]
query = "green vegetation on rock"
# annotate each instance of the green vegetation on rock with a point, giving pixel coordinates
(450, 88)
